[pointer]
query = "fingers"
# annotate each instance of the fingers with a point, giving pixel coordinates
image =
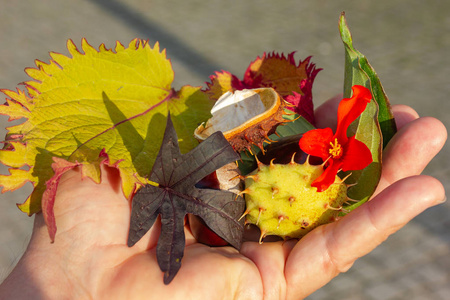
(333, 248)
(372, 223)
(326, 114)
(401, 197)
(403, 115)
(270, 259)
(87, 212)
(411, 149)
(91, 212)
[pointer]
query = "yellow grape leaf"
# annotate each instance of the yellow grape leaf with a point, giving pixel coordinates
(112, 101)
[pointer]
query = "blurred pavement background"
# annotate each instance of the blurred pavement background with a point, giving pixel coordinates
(406, 41)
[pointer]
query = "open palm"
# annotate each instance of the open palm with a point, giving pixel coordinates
(90, 258)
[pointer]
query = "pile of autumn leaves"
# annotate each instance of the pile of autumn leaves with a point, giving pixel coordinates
(61, 130)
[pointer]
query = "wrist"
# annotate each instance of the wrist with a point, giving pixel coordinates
(31, 280)
(38, 274)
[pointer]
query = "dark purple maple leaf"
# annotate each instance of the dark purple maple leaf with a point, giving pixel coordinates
(176, 195)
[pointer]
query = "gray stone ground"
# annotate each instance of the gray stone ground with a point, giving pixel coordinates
(407, 42)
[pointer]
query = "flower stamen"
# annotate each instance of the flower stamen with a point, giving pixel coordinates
(336, 149)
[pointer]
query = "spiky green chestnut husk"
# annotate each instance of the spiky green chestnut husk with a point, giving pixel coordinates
(281, 201)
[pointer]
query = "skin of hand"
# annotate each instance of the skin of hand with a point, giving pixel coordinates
(90, 258)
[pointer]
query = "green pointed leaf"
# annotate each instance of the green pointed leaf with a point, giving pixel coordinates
(359, 71)
(297, 125)
(366, 180)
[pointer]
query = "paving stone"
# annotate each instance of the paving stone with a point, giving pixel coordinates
(383, 291)
(442, 293)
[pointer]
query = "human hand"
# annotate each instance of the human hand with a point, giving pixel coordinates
(90, 257)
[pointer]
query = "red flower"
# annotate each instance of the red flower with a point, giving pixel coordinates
(339, 151)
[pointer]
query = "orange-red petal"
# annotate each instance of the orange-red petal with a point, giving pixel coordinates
(356, 155)
(350, 109)
(317, 142)
(328, 176)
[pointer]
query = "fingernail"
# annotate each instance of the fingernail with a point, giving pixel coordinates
(443, 200)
